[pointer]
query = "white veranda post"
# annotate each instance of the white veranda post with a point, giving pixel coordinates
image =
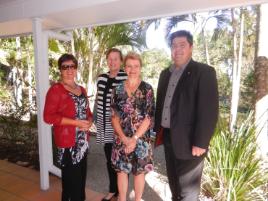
(41, 38)
(261, 113)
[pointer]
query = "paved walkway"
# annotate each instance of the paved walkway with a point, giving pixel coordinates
(156, 187)
(23, 184)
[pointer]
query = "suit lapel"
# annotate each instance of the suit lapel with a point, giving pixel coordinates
(187, 73)
(166, 78)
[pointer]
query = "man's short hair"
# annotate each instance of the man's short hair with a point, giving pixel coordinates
(181, 33)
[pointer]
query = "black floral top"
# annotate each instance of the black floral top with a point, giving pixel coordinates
(132, 111)
(80, 149)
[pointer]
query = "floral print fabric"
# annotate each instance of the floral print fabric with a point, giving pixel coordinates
(80, 149)
(132, 111)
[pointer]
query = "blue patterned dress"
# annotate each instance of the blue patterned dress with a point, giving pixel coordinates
(80, 149)
(132, 111)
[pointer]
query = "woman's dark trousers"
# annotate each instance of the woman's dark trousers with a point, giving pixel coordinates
(73, 178)
(111, 172)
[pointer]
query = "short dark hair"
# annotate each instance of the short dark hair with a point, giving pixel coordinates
(67, 57)
(181, 33)
(109, 51)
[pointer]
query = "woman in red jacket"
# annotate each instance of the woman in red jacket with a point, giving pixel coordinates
(67, 109)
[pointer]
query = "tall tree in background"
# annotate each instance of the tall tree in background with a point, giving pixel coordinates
(19, 57)
(200, 23)
(18, 80)
(244, 37)
(237, 62)
(232, 54)
(28, 63)
(91, 43)
(153, 62)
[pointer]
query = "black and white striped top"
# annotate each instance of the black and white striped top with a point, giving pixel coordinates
(105, 85)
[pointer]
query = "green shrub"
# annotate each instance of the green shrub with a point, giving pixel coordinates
(233, 170)
(18, 138)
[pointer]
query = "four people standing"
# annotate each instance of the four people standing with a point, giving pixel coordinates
(67, 109)
(105, 132)
(186, 112)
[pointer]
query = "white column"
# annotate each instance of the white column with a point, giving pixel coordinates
(261, 112)
(47, 35)
(42, 85)
(262, 46)
(261, 116)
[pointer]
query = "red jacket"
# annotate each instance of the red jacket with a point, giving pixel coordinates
(60, 104)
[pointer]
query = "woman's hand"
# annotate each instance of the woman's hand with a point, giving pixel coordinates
(84, 125)
(130, 147)
(125, 140)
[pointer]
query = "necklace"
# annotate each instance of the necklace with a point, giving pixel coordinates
(131, 89)
(71, 86)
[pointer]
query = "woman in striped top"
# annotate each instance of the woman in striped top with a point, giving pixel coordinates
(105, 133)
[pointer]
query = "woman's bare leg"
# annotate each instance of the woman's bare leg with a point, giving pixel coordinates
(139, 182)
(122, 183)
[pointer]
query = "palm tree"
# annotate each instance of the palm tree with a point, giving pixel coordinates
(200, 23)
(237, 63)
(232, 20)
(91, 43)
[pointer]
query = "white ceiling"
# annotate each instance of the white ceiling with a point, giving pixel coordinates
(16, 15)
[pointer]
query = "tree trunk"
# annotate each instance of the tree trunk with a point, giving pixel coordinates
(205, 46)
(81, 69)
(261, 54)
(237, 74)
(90, 85)
(261, 74)
(29, 77)
(234, 69)
(18, 81)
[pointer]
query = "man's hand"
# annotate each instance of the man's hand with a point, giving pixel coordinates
(197, 151)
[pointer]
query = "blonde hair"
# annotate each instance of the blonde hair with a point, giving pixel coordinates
(134, 56)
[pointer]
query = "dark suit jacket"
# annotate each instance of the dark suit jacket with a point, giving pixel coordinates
(194, 108)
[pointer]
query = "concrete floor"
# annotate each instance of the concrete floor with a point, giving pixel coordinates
(156, 187)
(23, 184)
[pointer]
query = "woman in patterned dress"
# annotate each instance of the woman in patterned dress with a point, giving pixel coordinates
(67, 109)
(132, 118)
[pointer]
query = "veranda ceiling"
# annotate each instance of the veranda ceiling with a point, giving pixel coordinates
(16, 15)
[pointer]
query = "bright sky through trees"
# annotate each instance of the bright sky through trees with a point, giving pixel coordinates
(155, 38)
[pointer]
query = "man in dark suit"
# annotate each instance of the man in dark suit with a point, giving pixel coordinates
(186, 112)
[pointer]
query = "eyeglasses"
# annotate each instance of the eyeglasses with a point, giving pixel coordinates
(70, 67)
